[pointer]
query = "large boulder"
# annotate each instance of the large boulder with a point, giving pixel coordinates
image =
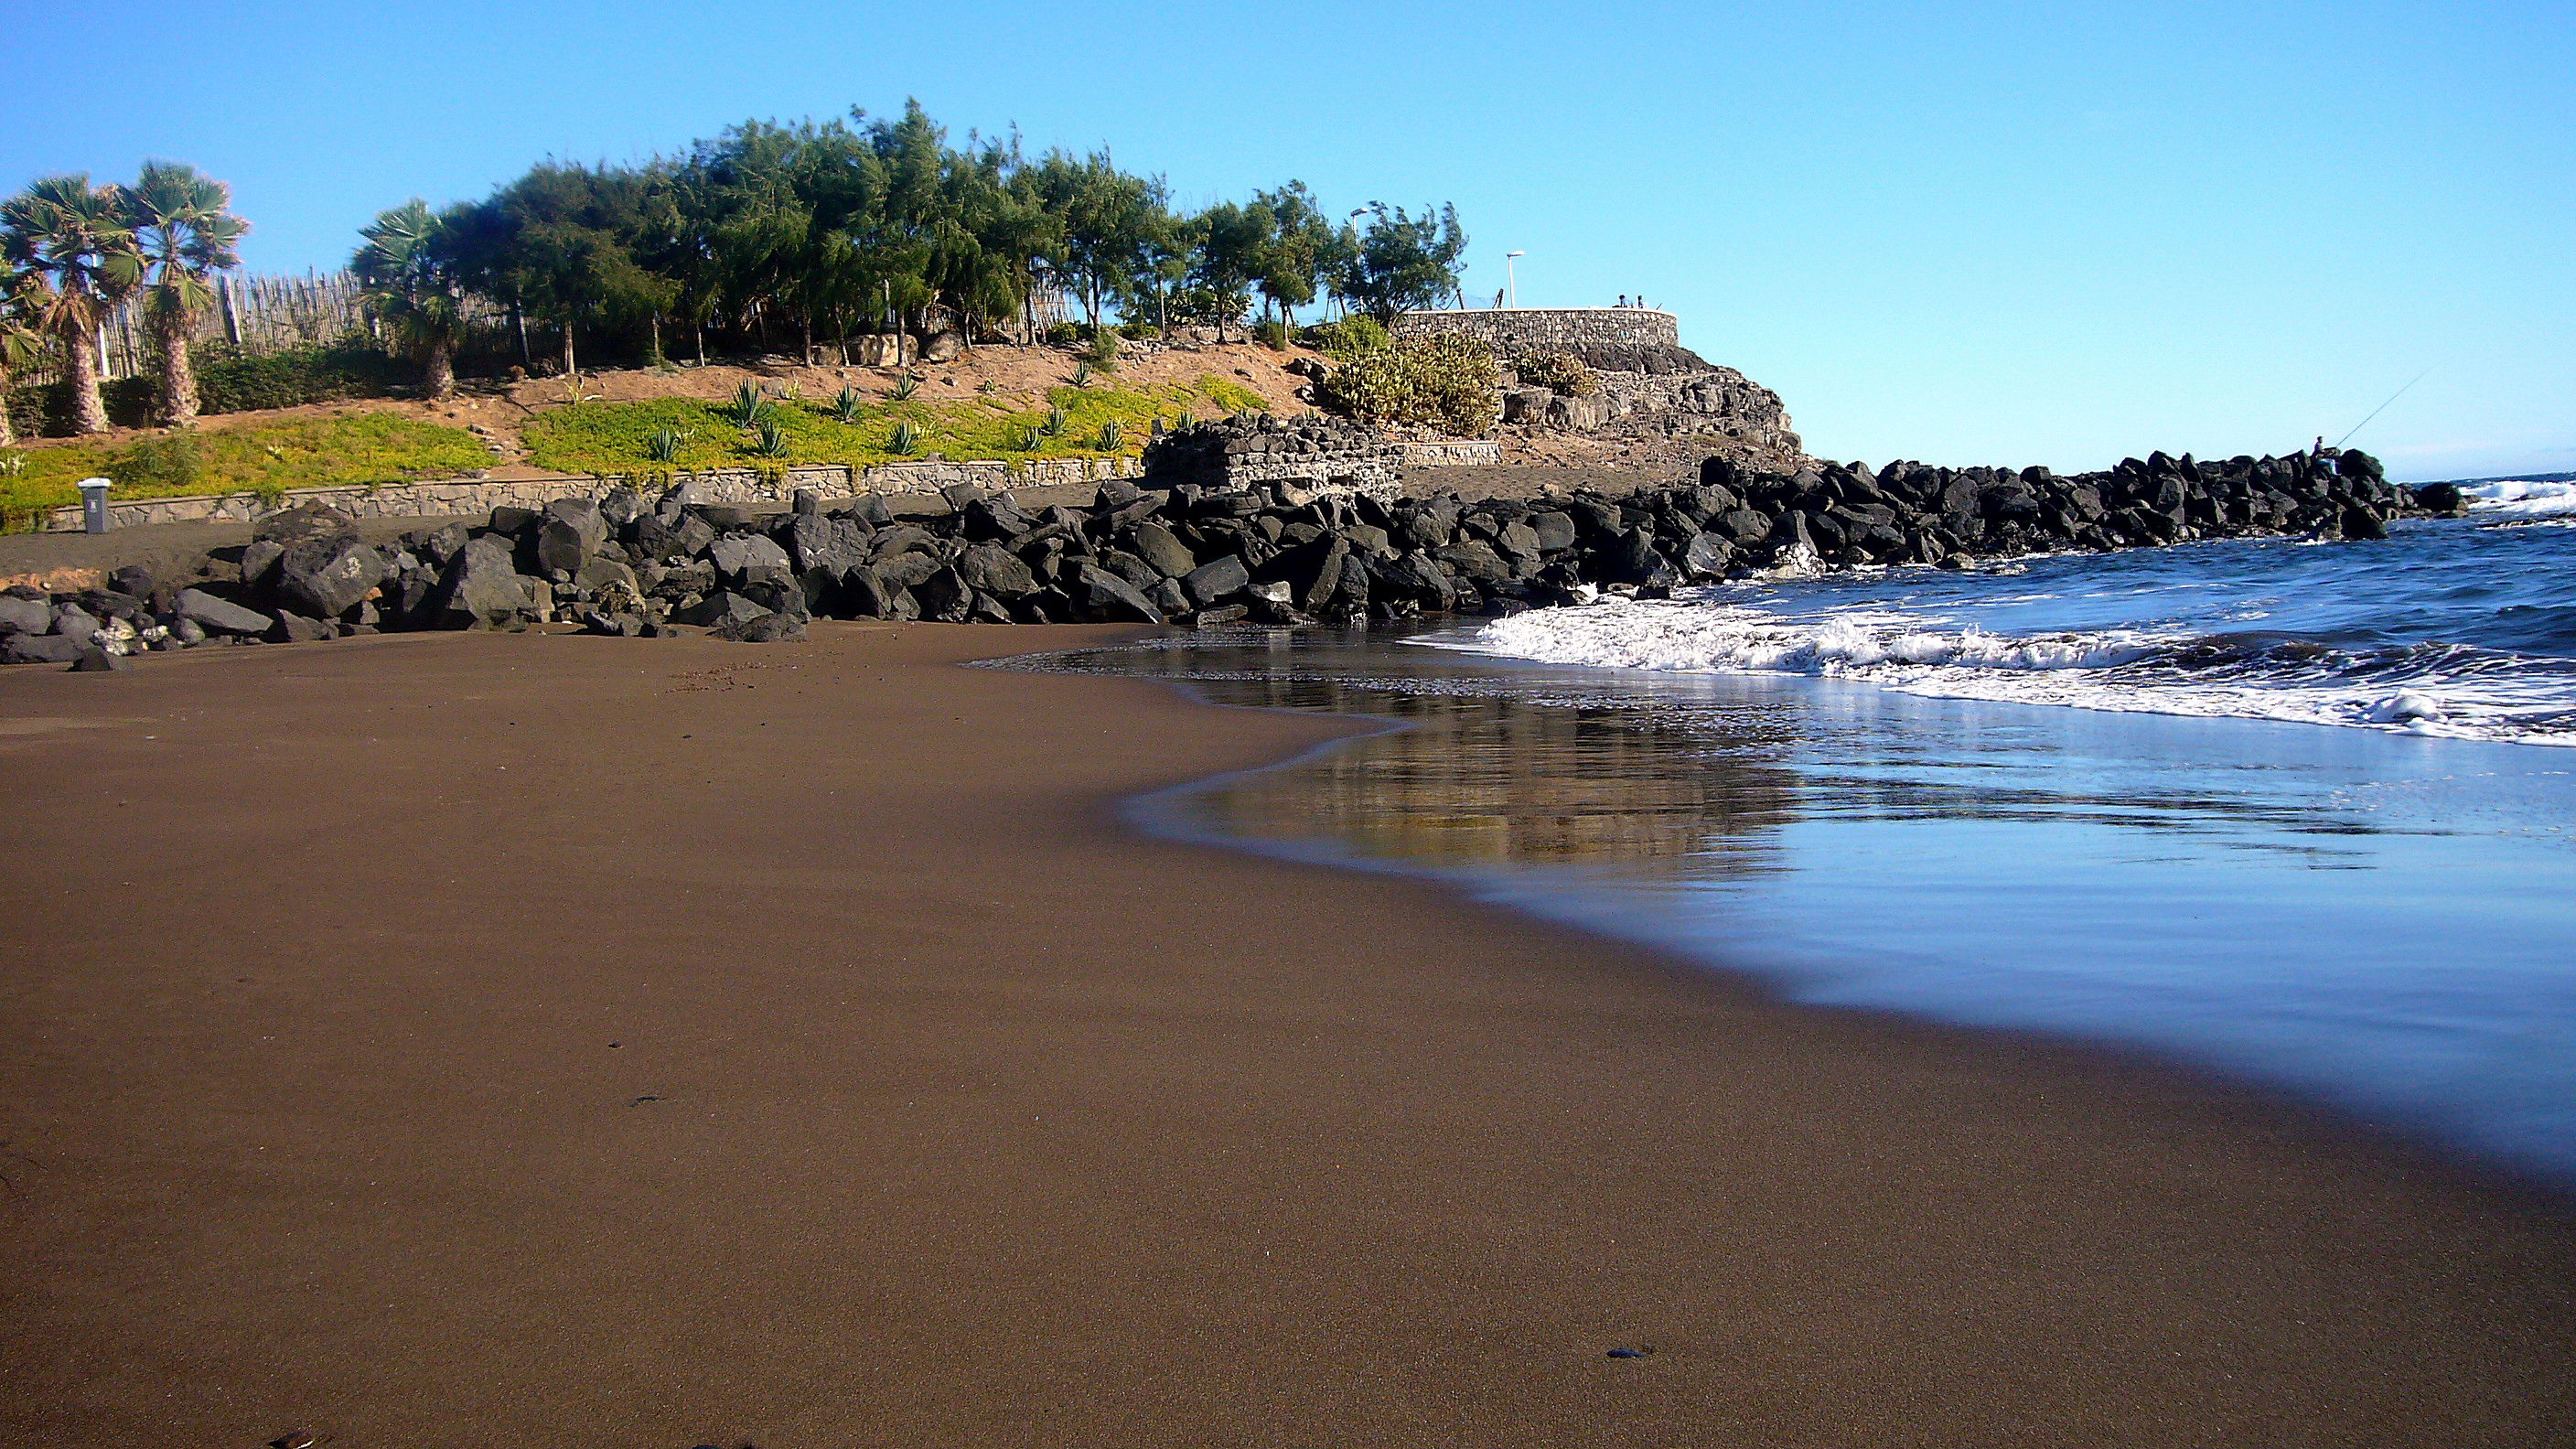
(42, 649)
(1162, 548)
(620, 506)
(483, 587)
(74, 622)
(573, 529)
(1217, 581)
(992, 569)
(1708, 556)
(327, 577)
(1104, 596)
(723, 610)
(290, 526)
(750, 559)
(220, 616)
(24, 616)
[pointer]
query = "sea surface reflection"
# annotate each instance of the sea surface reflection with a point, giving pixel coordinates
(2381, 921)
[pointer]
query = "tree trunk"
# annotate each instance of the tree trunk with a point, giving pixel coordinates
(89, 410)
(440, 373)
(519, 324)
(572, 370)
(178, 404)
(702, 342)
(657, 339)
(8, 433)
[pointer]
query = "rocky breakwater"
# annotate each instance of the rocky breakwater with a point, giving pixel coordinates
(1183, 553)
(1849, 513)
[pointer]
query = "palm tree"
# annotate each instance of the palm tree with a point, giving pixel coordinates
(411, 276)
(22, 297)
(73, 235)
(183, 226)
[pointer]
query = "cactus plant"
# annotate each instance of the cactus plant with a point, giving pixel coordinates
(1032, 438)
(905, 440)
(904, 387)
(749, 405)
(846, 406)
(1054, 425)
(1110, 436)
(773, 441)
(664, 445)
(1082, 374)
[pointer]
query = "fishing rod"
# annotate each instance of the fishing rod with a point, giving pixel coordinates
(2383, 407)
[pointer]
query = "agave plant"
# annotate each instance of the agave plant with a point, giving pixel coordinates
(1111, 435)
(846, 406)
(988, 387)
(1032, 438)
(1082, 374)
(904, 387)
(1054, 425)
(773, 440)
(749, 405)
(664, 445)
(905, 440)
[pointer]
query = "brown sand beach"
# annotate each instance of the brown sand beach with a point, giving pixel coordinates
(519, 1040)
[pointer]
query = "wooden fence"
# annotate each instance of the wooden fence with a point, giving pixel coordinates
(264, 314)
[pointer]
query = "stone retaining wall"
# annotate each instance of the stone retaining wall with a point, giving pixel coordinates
(466, 497)
(1518, 332)
(463, 497)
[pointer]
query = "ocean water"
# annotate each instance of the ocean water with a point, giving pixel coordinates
(2460, 628)
(2300, 814)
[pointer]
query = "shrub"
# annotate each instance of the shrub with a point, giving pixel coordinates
(1140, 331)
(1347, 338)
(1103, 351)
(1064, 334)
(230, 381)
(1444, 381)
(1560, 372)
(1272, 334)
(159, 466)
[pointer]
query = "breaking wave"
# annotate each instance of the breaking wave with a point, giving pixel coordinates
(2453, 630)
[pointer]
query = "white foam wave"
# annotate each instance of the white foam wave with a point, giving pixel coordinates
(2522, 498)
(2129, 671)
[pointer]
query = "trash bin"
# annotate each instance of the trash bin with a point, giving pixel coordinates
(94, 504)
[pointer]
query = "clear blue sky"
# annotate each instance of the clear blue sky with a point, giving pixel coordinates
(1964, 233)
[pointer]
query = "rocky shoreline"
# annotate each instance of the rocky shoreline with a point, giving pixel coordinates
(1173, 551)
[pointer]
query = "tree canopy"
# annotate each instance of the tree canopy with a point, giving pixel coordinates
(815, 230)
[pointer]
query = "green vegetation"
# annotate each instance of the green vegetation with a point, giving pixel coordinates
(184, 233)
(266, 459)
(1347, 338)
(810, 232)
(1095, 421)
(1445, 380)
(1560, 372)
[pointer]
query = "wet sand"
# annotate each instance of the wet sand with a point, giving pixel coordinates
(514, 1040)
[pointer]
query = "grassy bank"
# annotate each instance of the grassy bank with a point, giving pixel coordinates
(266, 458)
(618, 437)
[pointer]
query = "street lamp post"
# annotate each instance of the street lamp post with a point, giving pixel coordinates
(1511, 277)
